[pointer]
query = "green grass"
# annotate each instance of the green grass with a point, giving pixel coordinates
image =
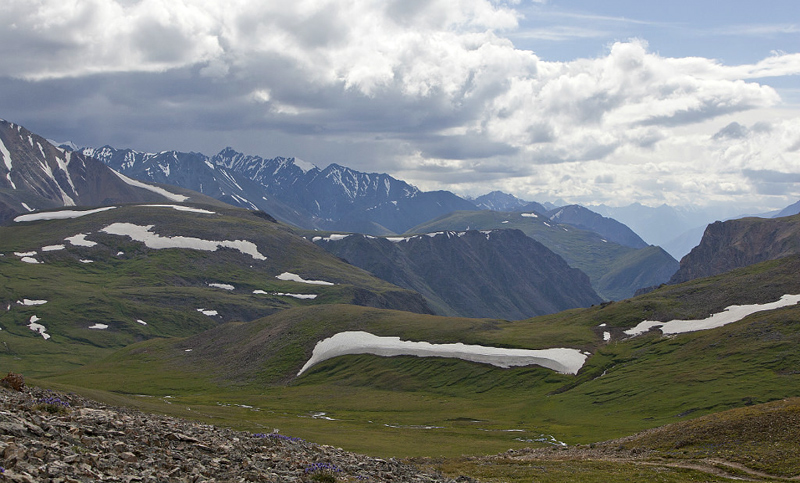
(406, 406)
(128, 282)
(556, 471)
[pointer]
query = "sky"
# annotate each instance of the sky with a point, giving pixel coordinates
(681, 102)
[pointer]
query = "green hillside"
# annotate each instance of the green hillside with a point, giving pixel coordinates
(616, 271)
(380, 405)
(93, 299)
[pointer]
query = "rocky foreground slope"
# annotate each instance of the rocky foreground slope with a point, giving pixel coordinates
(54, 437)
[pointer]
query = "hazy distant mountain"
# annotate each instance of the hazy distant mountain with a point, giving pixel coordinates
(608, 228)
(36, 175)
(673, 228)
(790, 210)
(739, 243)
(499, 201)
(334, 198)
(537, 207)
(497, 274)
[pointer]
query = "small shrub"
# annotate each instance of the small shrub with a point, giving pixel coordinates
(322, 472)
(13, 381)
(275, 437)
(52, 405)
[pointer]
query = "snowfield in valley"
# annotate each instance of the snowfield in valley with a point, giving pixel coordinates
(731, 314)
(564, 361)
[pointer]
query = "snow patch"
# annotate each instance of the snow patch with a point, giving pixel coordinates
(152, 240)
(80, 240)
(210, 313)
(291, 277)
(224, 286)
(34, 326)
(334, 237)
(529, 215)
(25, 254)
(30, 260)
(304, 165)
(606, 336)
(733, 313)
(99, 326)
(60, 215)
(52, 248)
(9, 164)
(140, 321)
(25, 205)
(301, 296)
(182, 208)
(564, 361)
(31, 303)
(155, 189)
(83, 260)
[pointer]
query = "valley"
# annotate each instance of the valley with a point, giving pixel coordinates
(545, 344)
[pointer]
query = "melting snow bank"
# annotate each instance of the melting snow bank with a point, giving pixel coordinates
(60, 215)
(564, 361)
(291, 277)
(155, 189)
(30, 302)
(223, 286)
(32, 324)
(80, 240)
(188, 209)
(152, 240)
(731, 314)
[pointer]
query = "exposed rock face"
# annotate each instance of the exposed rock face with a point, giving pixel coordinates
(333, 198)
(496, 273)
(36, 175)
(738, 243)
(50, 437)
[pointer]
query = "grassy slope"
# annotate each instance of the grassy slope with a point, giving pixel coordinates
(164, 288)
(608, 265)
(626, 386)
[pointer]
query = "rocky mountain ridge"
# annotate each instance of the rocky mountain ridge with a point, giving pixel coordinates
(738, 243)
(333, 198)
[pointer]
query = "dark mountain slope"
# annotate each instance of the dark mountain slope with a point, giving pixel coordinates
(616, 271)
(738, 243)
(497, 274)
(36, 175)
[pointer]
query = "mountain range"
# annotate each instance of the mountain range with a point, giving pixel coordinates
(334, 198)
(35, 175)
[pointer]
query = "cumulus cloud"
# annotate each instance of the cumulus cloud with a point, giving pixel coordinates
(433, 90)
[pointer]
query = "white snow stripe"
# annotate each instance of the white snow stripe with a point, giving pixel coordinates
(155, 189)
(565, 361)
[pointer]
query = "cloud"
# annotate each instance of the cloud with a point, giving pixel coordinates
(433, 90)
